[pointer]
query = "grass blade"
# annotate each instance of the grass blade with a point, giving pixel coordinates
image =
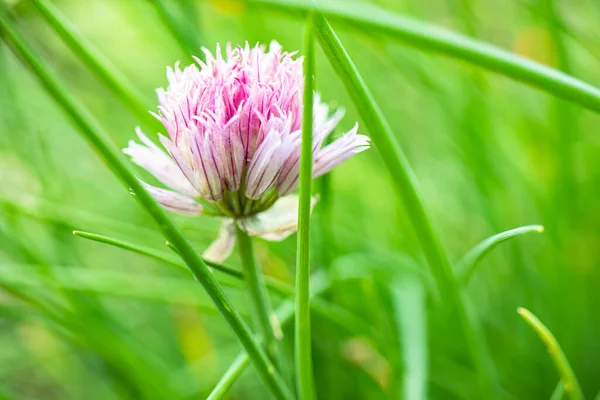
(96, 62)
(113, 157)
(567, 376)
(304, 374)
(467, 265)
(406, 184)
(274, 284)
(431, 38)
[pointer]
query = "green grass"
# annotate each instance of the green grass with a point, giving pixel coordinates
(464, 148)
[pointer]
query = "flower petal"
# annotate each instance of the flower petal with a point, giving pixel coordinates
(159, 164)
(173, 201)
(340, 150)
(276, 223)
(222, 247)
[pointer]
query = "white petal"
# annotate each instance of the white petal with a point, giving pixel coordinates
(338, 151)
(276, 223)
(159, 164)
(173, 201)
(222, 247)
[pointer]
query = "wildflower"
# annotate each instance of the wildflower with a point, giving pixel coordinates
(234, 127)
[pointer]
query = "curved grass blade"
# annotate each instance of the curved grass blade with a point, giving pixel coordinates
(431, 38)
(304, 373)
(406, 184)
(96, 62)
(467, 265)
(276, 285)
(92, 131)
(567, 376)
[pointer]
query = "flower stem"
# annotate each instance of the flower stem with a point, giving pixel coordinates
(304, 387)
(257, 289)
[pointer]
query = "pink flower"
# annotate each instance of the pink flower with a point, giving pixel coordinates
(234, 127)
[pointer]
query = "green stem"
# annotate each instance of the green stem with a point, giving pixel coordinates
(257, 289)
(406, 185)
(567, 375)
(284, 312)
(423, 36)
(305, 387)
(98, 138)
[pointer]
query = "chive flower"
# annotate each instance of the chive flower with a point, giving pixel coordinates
(233, 145)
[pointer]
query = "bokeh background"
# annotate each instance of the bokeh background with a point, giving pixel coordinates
(490, 154)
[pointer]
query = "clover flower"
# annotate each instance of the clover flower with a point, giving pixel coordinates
(234, 127)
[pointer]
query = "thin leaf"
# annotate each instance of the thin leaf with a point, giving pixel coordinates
(406, 183)
(420, 35)
(272, 283)
(558, 357)
(467, 265)
(99, 139)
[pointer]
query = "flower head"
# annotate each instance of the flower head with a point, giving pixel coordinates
(234, 132)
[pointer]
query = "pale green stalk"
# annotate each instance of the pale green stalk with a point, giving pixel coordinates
(304, 374)
(567, 375)
(406, 184)
(255, 283)
(412, 32)
(92, 131)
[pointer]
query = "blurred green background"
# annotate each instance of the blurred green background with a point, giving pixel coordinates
(490, 155)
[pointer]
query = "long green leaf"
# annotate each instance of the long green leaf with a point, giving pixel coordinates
(467, 265)
(304, 373)
(406, 183)
(567, 375)
(431, 38)
(99, 140)
(274, 284)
